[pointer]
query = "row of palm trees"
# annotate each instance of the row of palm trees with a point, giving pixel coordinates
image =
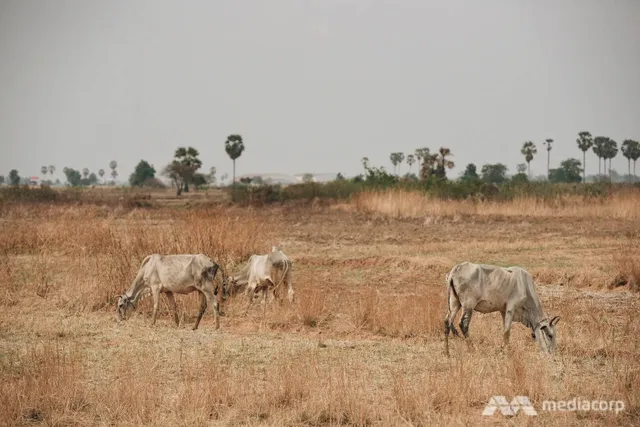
(603, 147)
(428, 163)
(44, 170)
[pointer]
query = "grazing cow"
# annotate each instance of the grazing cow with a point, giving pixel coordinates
(261, 273)
(488, 288)
(179, 274)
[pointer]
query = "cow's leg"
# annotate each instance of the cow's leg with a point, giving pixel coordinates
(203, 308)
(265, 294)
(465, 320)
(269, 288)
(174, 307)
(156, 299)
(212, 301)
(249, 292)
(507, 317)
(275, 295)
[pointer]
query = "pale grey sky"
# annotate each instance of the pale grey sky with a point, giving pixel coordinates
(313, 85)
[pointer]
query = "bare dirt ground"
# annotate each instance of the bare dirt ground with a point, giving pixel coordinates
(362, 345)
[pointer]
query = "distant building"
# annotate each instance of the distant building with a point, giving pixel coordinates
(34, 180)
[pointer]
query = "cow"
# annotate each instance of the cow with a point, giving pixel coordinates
(488, 288)
(175, 274)
(261, 274)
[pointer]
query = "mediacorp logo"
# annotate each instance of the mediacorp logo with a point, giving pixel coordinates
(501, 404)
(523, 404)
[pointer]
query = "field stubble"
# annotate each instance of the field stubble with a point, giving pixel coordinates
(363, 344)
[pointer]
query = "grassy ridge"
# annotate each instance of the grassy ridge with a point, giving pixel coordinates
(446, 190)
(334, 190)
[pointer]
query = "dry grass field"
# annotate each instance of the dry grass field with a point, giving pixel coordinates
(362, 345)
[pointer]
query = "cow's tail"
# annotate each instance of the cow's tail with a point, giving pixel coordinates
(450, 285)
(287, 265)
(448, 325)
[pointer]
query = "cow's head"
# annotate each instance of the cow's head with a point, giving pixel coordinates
(210, 274)
(235, 285)
(124, 306)
(225, 288)
(545, 334)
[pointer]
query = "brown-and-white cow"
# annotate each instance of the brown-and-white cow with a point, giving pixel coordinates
(175, 274)
(488, 288)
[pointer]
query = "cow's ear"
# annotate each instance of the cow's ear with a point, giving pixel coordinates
(554, 320)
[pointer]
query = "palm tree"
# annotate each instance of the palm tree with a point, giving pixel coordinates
(189, 163)
(365, 164)
(549, 143)
(627, 151)
(113, 165)
(528, 151)
(234, 146)
(85, 173)
(443, 163)
(585, 141)
(44, 170)
(396, 160)
(101, 173)
(598, 149)
(400, 160)
(410, 161)
(429, 161)
(420, 154)
(610, 151)
(635, 154)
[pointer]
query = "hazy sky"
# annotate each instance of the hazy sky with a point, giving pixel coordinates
(313, 86)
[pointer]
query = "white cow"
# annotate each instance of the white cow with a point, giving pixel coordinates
(263, 273)
(488, 288)
(169, 274)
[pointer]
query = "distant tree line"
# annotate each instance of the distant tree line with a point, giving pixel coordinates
(570, 170)
(183, 169)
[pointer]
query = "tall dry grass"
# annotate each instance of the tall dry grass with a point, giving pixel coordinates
(65, 361)
(403, 316)
(83, 258)
(413, 204)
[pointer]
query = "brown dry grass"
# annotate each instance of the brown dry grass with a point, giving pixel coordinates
(362, 346)
(405, 204)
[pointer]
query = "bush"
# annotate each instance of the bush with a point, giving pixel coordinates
(153, 183)
(43, 194)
